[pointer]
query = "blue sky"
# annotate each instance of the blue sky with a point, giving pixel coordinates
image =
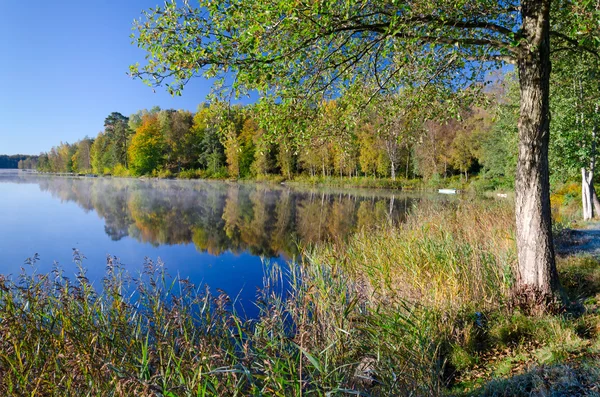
(63, 70)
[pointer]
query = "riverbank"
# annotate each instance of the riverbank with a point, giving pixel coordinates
(418, 308)
(474, 185)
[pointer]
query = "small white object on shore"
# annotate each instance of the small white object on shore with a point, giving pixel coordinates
(447, 191)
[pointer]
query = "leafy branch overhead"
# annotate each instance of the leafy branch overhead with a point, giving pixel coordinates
(306, 48)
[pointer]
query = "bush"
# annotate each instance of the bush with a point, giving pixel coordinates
(480, 185)
(358, 182)
(189, 174)
(220, 173)
(162, 173)
(120, 171)
(566, 203)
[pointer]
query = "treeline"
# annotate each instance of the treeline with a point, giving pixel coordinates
(220, 141)
(29, 163)
(14, 161)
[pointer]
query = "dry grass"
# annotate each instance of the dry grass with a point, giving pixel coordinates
(446, 255)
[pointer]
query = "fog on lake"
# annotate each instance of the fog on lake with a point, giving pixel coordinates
(210, 232)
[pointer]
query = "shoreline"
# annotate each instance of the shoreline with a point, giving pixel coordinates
(402, 185)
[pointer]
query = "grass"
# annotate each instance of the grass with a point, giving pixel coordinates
(359, 182)
(444, 256)
(418, 309)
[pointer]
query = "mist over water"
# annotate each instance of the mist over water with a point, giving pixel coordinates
(219, 233)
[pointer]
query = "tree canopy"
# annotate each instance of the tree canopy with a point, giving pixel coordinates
(308, 48)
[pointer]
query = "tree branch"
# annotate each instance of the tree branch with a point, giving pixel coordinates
(576, 45)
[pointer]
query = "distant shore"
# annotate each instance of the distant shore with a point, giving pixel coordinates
(355, 182)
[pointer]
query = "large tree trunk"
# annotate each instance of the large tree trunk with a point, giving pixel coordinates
(537, 279)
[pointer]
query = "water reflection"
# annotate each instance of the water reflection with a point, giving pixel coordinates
(265, 220)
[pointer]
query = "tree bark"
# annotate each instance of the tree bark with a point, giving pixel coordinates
(593, 197)
(590, 203)
(407, 163)
(595, 201)
(586, 194)
(537, 282)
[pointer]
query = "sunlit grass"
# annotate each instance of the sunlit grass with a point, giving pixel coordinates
(446, 255)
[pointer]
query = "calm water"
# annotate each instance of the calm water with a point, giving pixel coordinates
(210, 232)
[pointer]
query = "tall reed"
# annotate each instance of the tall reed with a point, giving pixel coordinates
(371, 317)
(446, 255)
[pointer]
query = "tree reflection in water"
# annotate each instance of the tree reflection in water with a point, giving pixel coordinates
(262, 219)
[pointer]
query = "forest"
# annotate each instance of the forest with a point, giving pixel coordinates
(478, 143)
(15, 161)
(221, 141)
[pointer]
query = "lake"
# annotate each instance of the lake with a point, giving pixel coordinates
(219, 233)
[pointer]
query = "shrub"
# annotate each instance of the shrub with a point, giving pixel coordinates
(120, 171)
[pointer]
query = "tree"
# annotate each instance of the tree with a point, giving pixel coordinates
(211, 153)
(43, 163)
(61, 158)
(466, 146)
(463, 155)
(498, 151)
(100, 158)
(182, 140)
(232, 154)
(396, 122)
(368, 153)
(432, 153)
(175, 126)
(576, 119)
(29, 163)
(118, 133)
(229, 121)
(311, 49)
(135, 120)
(82, 157)
(147, 146)
(247, 136)
(7, 161)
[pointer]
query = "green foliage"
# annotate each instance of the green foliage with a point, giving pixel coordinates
(576, 115)
(12, 161)
(189, 174)
(147, 147)
(28, 163)
(82, 158)
(120, 171)
(337, 141)
(498, 148)
(336, 44)
(97, 152)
